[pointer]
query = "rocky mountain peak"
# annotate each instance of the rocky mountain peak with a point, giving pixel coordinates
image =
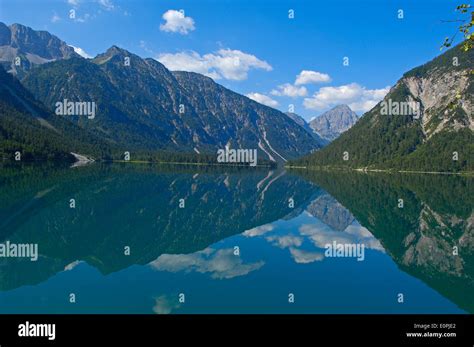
(40, 43)
(115, 50)
(342, 108)
(334, 122)
(31, 47)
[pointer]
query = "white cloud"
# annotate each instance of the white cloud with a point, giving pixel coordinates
(226, 63)
(263, 99)
(107, 4)
(188, 61)
(353, 234)
(55, 18)
(285, 241)
(357, 97)
(301, 256)
(290, 90)
(297, 90)
(81, 52)
(308, 76)
(73, 2)
(221, 264)
(177, 22)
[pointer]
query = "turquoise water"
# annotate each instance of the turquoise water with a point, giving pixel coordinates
(160, 239)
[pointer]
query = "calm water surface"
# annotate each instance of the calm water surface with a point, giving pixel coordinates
(244, 240)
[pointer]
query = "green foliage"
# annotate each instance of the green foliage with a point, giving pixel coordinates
(26, 126)
(437, 154)
(465, 28)
(380, 141)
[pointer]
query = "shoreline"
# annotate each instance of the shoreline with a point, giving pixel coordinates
(89, 162)
(182, 163)
(462, 173)
(290, 167)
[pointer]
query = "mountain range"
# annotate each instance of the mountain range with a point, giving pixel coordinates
(142, 106)
(424, 123)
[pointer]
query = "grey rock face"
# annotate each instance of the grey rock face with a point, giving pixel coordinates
(334, 122)
(31, 46)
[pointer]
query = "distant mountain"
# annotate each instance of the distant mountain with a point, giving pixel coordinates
(143, 105)
(424, 123)
(31, 47)
(302, 122)
(334, 122)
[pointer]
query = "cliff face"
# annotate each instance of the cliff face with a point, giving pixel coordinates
(438, 93)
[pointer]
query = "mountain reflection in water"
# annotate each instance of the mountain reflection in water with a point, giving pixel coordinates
(243, 241)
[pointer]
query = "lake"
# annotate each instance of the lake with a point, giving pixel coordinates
(139, 238)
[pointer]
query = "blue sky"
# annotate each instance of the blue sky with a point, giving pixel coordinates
(254, 48)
